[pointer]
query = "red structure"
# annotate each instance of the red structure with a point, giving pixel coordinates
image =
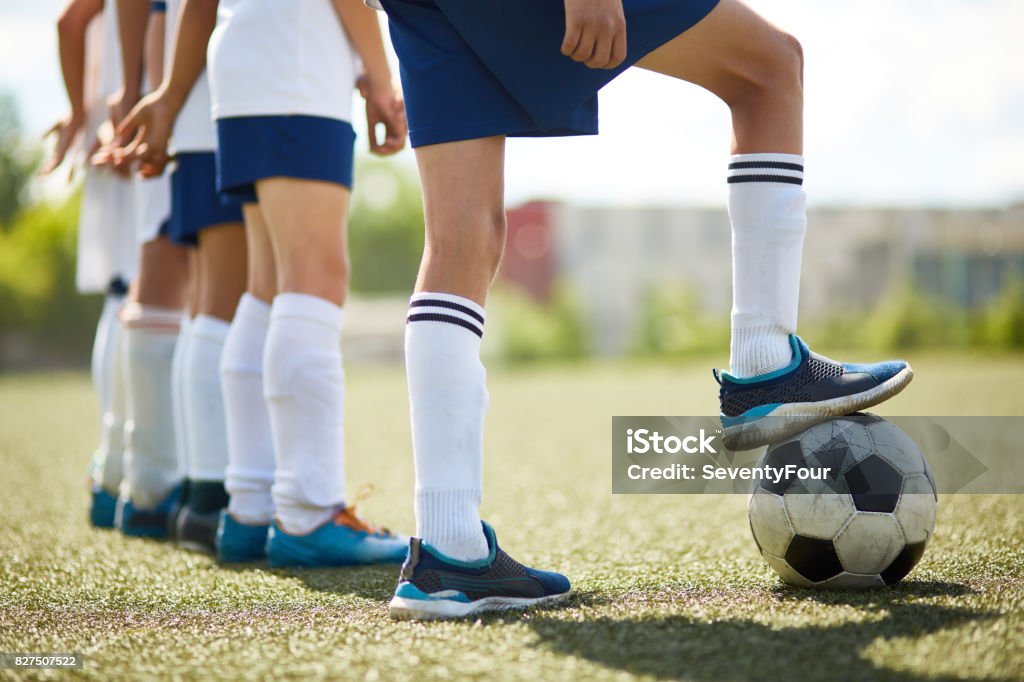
(530, 252)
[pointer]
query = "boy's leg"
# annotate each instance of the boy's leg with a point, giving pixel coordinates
(777, 386)
(756, 69)
(303, 378)
(250, 470)
(304, 381)
(220, 269)
(151, 325)
(220, 260)
(463, 185)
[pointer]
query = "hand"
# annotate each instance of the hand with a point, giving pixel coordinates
(595, 33)
(119, 104)
(383, 105)
(143, 136)
(66, 130)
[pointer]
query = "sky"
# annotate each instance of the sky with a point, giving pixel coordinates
(908, 102)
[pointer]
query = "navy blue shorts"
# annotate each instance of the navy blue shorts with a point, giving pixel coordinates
(251, 148)
(195, 204)
(477, 68)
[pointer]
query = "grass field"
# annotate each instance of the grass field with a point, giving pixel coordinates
(665, 586)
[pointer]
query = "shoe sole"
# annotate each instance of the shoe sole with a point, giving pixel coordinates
(401, 608)
(792, 418)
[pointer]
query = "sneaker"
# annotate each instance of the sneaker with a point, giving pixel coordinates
(150, 523)
(433, 586)
(195, 530)
(239, 542)
(344, 540)
(103, 507)
(765, 409)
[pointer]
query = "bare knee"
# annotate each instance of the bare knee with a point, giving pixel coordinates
(775, 70)
(468, 243)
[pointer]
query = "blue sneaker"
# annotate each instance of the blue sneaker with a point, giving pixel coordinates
(432, 586)
(345, 540)
(765, 409)
(148, 523)
(239, 542)
(103, 508)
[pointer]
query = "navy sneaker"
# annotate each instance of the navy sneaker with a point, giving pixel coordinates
(765, 409)
(239, 542)
(344, 540)
(433, 586)
(149, 523)
(103, 508)
(195, 530)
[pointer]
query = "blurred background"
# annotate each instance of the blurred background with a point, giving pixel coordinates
(619, 244)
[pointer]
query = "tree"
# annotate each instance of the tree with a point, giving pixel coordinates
(16, 164)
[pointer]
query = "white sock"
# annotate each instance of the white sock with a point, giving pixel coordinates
(448, 401)
(179, 402)
(204, 404)
(305, 390)
(106, 380)
(151, 466)
(767, 207)
(250, 472)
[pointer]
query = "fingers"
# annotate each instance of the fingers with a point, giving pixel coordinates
(55, 128)
(594, 36)
(573, 33)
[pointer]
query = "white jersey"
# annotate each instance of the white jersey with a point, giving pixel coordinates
(106, 225)
(194, 130)
(281, 57)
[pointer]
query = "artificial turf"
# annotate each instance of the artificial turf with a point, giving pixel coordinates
(665, 586)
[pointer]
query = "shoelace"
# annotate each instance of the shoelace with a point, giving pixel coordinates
(346, 516)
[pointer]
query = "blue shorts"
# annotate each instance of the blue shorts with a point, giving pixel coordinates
(251, 148)
(195, 204)
(477, 68)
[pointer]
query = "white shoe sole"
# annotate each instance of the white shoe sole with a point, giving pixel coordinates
(440, 609)
(792, 418)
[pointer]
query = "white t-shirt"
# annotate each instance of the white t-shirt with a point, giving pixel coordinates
(281, 57)
(194, 130)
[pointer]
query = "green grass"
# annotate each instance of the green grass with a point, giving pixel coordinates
(665, 586)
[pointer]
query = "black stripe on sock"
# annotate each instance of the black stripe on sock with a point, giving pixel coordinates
(450, 319)
(765, 178)
(438, 303)
(781, 165)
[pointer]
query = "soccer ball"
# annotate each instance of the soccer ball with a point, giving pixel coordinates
(864, 524)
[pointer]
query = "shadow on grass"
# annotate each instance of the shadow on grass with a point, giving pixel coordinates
(684, 646)
(369, 582)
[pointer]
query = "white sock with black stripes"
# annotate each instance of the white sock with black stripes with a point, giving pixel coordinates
(448, 401)
(305, 389)
(767, 207)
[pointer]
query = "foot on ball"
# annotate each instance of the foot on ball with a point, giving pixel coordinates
(763, 409)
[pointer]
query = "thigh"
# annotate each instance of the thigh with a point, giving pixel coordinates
(730, 48)
(306, 222)
(221, 263)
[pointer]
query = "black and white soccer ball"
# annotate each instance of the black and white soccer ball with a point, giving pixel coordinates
(865, 524)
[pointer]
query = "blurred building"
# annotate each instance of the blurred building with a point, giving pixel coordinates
(612, 257)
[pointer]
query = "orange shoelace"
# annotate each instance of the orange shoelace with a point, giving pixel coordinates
(346, 516)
